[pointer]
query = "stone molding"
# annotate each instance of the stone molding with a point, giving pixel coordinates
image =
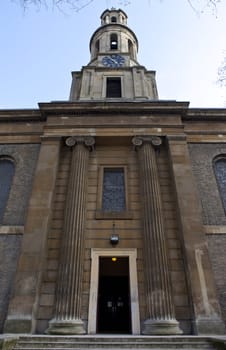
(131, 253)
(11, 230)
(215, 230)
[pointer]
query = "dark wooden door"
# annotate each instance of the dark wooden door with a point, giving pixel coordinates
(114, 305)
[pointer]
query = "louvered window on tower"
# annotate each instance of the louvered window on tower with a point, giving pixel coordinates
(114, 88)
(7, 170)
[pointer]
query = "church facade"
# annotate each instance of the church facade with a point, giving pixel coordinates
(113, 205)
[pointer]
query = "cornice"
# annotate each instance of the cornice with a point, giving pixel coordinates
(113, 107)
(205, 114)
(19, 115)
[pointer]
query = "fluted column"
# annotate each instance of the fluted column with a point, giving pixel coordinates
(160, 307)
(67, 319)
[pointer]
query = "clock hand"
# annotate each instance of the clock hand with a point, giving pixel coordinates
(112, 59)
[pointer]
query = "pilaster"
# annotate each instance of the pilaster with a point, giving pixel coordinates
(207, 318)
(22, 311)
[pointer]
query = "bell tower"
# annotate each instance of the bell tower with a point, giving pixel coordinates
(114, 44)
(113, 71)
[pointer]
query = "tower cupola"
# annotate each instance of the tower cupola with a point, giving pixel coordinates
(113, 16)
(114, 37)
(113, 71)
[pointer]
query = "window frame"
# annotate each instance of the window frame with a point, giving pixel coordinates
(114, 42)
(219, 186)
(104, 85)
(5, 203)
(100, 213)
(108, 80)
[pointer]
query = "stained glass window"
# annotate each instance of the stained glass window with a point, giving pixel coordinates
(6, 177)
(113, 195)
(220, 173)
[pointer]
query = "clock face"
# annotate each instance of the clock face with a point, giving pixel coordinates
(113, 61)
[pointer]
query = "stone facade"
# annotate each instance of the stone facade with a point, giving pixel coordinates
(202, 156)
(217, 247)
(9, 254)
(58, 241)
(25, 158)
(11, 231)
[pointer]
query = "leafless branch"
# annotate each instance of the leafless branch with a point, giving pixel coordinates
(222, 73)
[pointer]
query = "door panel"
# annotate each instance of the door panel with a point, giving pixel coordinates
(114, 315)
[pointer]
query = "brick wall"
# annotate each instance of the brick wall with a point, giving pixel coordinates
(202, 156)
(217, 249)
(25, 157)
(9, 254)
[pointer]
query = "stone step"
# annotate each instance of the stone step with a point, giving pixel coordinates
(163, 346)
(112, 343)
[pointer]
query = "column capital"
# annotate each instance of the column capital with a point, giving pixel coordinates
(138, 141)
(88, 141)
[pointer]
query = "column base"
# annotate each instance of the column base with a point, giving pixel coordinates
(161, 327)
(66, 327)
(209, 326)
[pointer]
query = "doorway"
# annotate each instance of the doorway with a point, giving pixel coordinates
(113, 308)
(128, 268)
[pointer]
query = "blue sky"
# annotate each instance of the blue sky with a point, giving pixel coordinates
(40, 48)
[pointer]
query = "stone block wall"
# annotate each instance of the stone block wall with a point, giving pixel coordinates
(98, 231)
(175, 253)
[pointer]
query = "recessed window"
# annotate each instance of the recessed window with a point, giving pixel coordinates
(97, 47)
(220, 173)
(114, 88)
(113, 194)
(114, 42)
(113, 19)
(112, 199)
(7, 169)
(130, 48)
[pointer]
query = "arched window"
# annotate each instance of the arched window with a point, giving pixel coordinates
(220, 173)
(113, 19)
(114, 42)
(7, 170)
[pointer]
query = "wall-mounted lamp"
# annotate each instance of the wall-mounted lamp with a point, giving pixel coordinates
(114, 238)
